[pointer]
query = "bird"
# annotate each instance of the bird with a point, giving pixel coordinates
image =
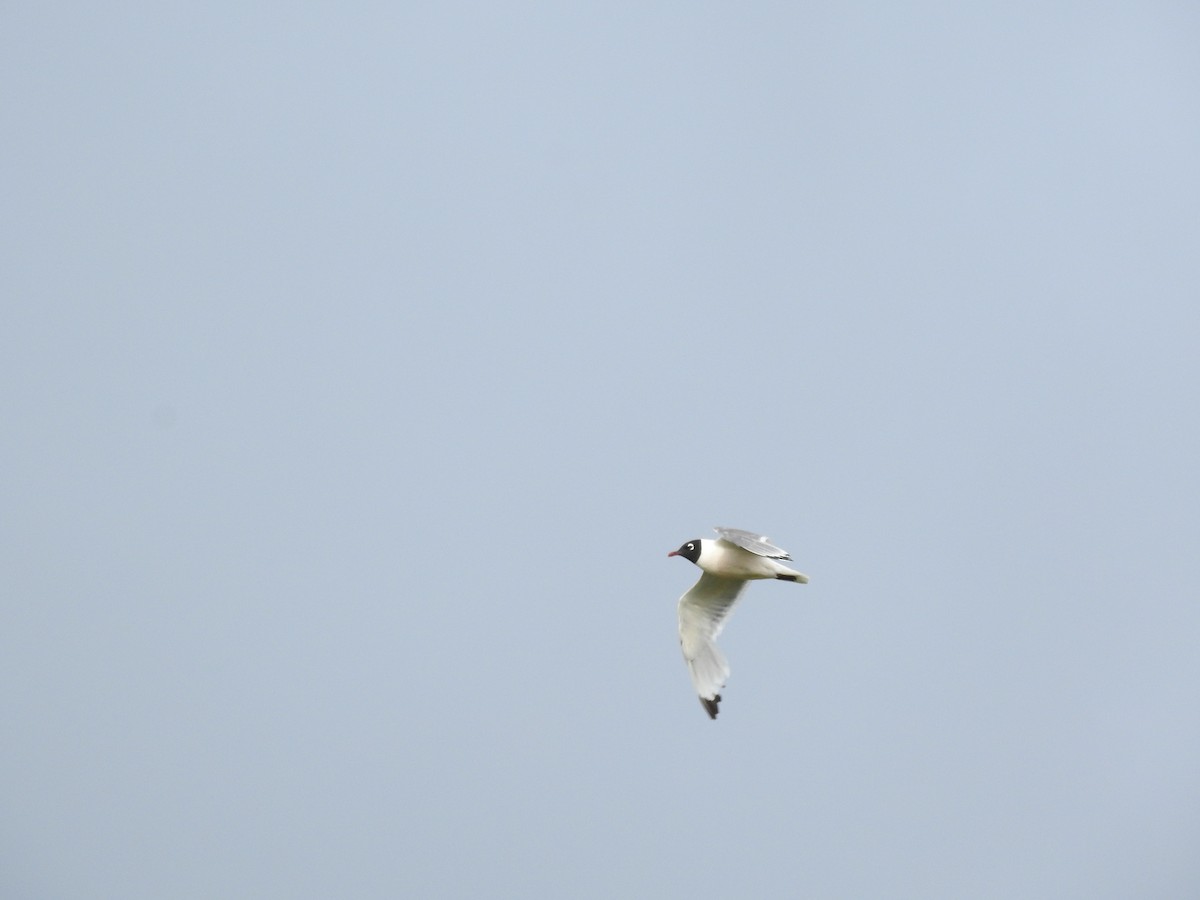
(727, 563)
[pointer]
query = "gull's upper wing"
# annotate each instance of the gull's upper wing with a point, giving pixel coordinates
(702, 614)
(755, 543)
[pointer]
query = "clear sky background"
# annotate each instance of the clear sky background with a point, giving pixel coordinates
(361, 363)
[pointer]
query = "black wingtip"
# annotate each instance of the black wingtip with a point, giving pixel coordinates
(710, 706)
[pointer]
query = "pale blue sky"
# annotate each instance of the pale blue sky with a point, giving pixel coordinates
(361, 363)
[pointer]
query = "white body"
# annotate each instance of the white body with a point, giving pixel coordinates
(728, 560)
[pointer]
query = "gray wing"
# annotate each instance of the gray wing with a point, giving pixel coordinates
(755, 543)
(702, 614)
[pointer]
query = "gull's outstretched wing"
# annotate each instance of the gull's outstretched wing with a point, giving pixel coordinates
(756, 543)
(702, 614)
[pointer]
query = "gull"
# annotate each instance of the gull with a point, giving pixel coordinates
(728, 562)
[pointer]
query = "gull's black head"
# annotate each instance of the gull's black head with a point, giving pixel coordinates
(689, 551)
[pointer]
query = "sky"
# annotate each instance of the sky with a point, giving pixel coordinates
(362, 362)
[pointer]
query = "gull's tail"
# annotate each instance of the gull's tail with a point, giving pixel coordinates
(783, 573)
